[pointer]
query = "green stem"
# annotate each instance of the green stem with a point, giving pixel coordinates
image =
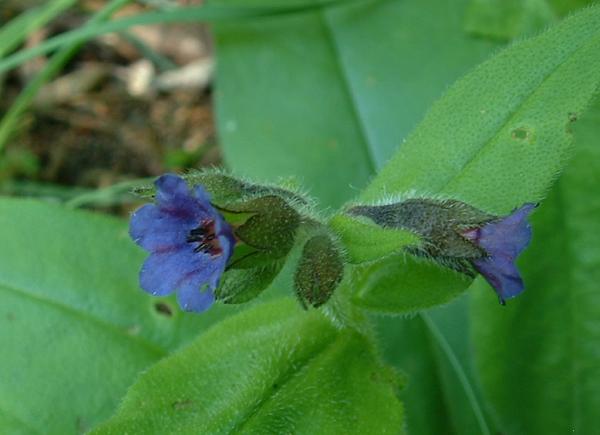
(344, 313)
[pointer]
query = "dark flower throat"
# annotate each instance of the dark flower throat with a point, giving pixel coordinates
(205, 236)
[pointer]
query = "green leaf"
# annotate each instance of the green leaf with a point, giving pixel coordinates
(76, 328)
(538, 358)
(449, 327)
(500, 135)
(407, 344)
(273, 369)
(366, 242)
(510, 134)
(13, 33)
(374, 68)
(564, 7)
(12, 426)
(404, 284)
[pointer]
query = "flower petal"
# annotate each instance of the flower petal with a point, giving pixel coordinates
(502, 274)
(202, 195)
(154, 230)
(509, 236)
(192, 298)
(503, 240)
(173, 198)
(170, 187)
(166, 271)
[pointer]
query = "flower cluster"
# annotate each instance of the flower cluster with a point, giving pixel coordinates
(191, 244)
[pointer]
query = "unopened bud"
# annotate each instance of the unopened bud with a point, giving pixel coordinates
(320, 270)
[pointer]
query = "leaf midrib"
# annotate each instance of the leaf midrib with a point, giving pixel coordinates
(283, 380)
(513, 114)
(368, 145)
(152, 347)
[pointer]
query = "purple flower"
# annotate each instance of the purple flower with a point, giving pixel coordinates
(188, 240)
(502, 240)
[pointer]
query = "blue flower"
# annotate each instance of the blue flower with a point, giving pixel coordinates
(188, 240)
(502, 240)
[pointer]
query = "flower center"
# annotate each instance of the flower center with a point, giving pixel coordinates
(206, 237)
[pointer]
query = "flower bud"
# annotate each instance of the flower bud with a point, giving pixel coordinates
(320, 270)
(268, 230)
(461, 237)
(224, 188)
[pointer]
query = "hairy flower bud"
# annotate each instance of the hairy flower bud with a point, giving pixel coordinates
(320, 270)
(461, 237)
(267, 232)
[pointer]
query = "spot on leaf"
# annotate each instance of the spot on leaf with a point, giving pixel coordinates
(521, 133)
(182, 404)
(163, 308)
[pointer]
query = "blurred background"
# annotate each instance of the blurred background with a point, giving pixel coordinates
(125, 106)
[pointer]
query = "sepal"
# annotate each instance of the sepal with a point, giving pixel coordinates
(242, 285)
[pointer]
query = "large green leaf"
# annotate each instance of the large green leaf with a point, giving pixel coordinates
(327, 96)
(539, 358)
(271, 370)
(76, 328)
(499, 136)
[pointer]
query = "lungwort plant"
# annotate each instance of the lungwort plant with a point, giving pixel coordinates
(231, 304)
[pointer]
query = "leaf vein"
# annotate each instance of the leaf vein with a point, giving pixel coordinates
(282, 381)
(369, 147)
(107, 326)
(512, 114)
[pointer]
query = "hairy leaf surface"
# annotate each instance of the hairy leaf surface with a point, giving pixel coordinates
(271, 370)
